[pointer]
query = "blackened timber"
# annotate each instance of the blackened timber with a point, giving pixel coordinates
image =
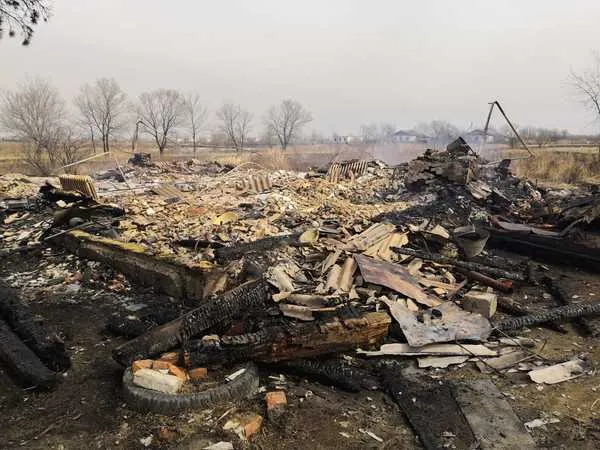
(487, 281)
(557, 291)
(295, 340)
(561, 313)
(476, 267)
(44, 343)
(336, 372)
(432, 411)
(245, 298)
(23, 364)
(238, 250)
(554, 250)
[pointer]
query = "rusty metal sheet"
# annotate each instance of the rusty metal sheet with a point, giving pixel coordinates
(346, 170)
(454, 324)
(80, 183)
(255, 183)
(395, 277)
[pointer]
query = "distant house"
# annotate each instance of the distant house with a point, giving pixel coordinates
(476, 137)
(347, 139)
(410, 136)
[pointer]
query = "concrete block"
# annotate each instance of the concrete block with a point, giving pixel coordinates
(483, 303)
(157, 381)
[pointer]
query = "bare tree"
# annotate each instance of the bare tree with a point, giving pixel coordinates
(368, 133)
(540, 136)
(160, 111)
(386, 132)
(235, 123)
(286, 121)
(35, 114)
(195, 114)
(102, 106)
(441, 132)
(22, 15)
(586, 85)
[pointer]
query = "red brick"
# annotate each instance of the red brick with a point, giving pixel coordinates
(276, 399)
(141, 364)
(252, 426)
(160, 365)
(173, 358)
(167, 434)
(178, 372)
(198, 374)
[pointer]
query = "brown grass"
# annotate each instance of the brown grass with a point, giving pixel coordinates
(560, 167)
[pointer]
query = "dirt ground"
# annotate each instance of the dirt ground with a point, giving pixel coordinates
(87, 410)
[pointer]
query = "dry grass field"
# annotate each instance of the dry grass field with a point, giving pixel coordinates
(569, 165)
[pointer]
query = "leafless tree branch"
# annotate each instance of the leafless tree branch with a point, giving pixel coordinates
(22, 15)
(102, 106)
(235, 123)
(195, 114)
(286, 121)
(160, 111)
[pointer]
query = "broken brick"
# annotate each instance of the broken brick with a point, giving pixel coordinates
(141, 364)
(178, 372)
(252, 426)
(198, 374)
(276, 404)
(276, 399)
(173, 358)
(160, 365)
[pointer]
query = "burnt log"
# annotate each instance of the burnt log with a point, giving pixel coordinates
(26, 368)
(225, 254)
(296, 340)
(551, 249)
(214, 312)
(476, 267)
(559, 314)
(432, 411)
(335, 372)
(501, 286)
(559, 293)
(44, 343)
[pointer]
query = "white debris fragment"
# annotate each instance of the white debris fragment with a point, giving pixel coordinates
(536, 423)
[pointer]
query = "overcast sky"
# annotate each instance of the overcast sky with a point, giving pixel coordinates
(349, 61)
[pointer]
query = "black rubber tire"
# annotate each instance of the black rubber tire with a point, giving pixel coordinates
(147, 400)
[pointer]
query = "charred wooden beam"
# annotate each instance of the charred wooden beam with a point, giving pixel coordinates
(165, 274)
(24, 365)
(214, 312)
(551, 249)
(432, 411)
(238, 250)
(291, 341)
(476, 267)
(557, 291)
(502, 286)
(510, 306)
(44, 343)
(560, 314)
(336, 372)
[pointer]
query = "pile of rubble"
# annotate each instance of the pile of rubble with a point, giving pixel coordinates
(325, 274)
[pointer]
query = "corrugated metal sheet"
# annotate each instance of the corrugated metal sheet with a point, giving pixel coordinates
(345, 170)
(80, 183)
(255, 183)
(166, 190)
